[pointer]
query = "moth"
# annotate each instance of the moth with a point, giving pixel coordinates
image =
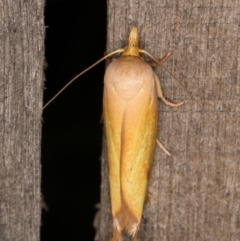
(130, 114)
(130, 107)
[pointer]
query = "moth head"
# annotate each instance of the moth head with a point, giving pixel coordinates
(132, 48)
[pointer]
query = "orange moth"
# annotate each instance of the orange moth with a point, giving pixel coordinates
(130, 106)
(130, 110)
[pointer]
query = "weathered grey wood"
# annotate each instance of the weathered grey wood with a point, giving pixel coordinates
(21, 86)
(195, 193)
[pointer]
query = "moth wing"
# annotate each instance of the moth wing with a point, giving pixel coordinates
(130, 116)
(113, 110)
(139, 130)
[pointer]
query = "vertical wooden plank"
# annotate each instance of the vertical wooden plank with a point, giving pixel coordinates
(194, 194)
(21, 86)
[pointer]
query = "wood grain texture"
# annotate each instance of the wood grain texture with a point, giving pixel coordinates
(21, 87)
(194, 194)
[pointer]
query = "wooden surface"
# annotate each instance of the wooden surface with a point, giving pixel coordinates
(21, 86)
(195, 193)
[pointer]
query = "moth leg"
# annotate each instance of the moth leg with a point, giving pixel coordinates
(163, 148)
(160, 94)
(163, 59)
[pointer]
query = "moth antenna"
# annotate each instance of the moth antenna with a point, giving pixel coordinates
(173, 76)
(84, 71)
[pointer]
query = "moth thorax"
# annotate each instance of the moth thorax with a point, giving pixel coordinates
(131, 51)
